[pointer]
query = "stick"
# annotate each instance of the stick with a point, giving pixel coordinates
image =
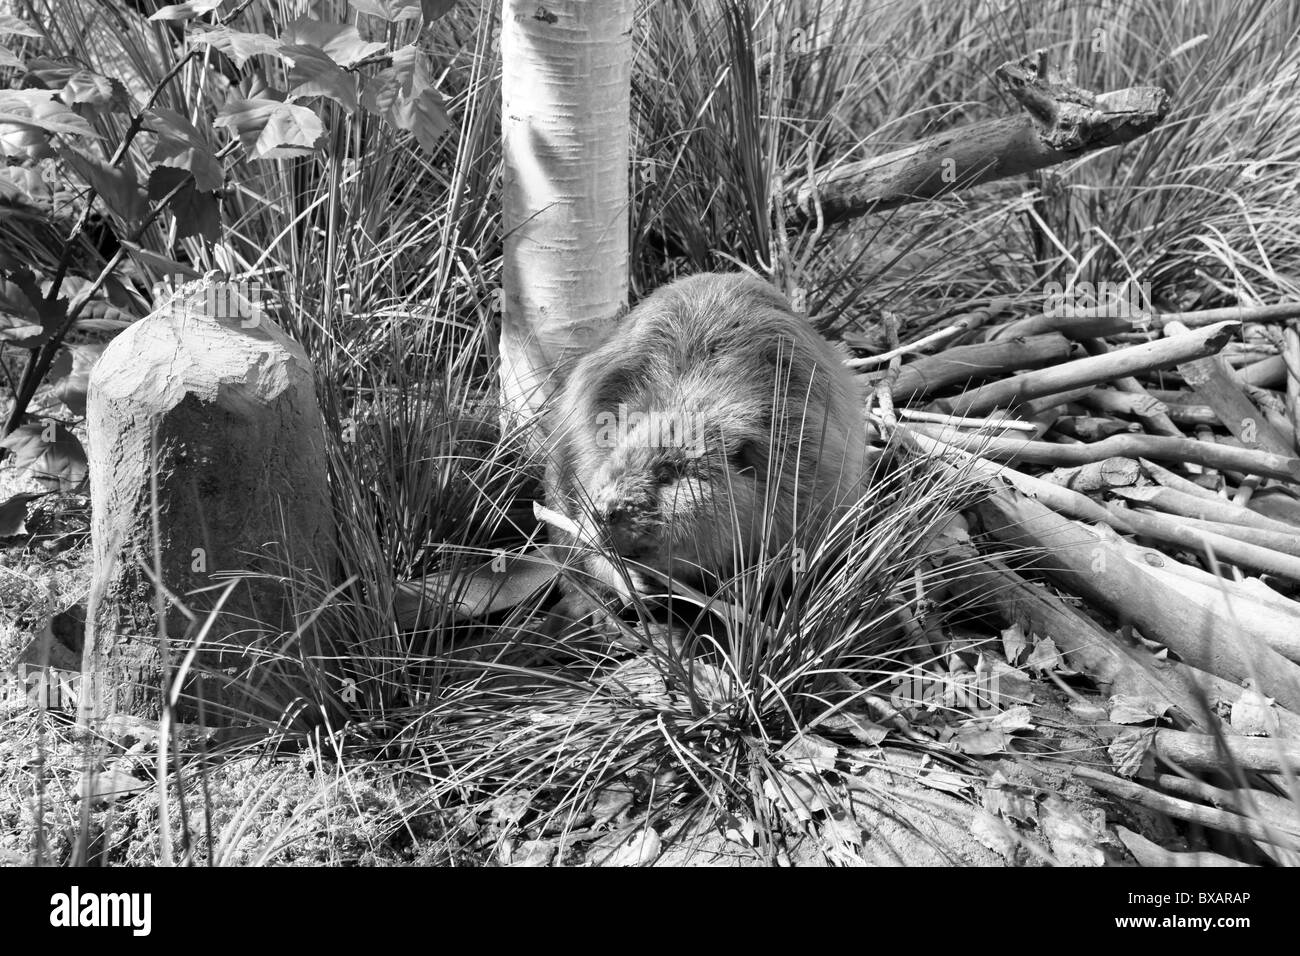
(963, 323)
(1092, 370)
(1211, 508)
(1156, 447)
(1005, 424)
(1202, 752)
(1183, 809)
(1100, 322)
(1214, 384)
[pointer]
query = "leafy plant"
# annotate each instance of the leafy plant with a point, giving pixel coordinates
(147, 173)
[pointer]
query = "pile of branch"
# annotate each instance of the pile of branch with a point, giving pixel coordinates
(1149, 466)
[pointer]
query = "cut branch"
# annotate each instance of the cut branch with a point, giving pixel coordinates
(972, 155)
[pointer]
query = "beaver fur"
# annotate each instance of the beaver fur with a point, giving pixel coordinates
(714, 426)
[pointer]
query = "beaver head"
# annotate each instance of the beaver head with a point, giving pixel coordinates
(714, 425)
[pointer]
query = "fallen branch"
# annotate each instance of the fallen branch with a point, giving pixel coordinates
(1208, 508)
(1106, 573)
(1092, 370)
(967, 363)
(1152, 855)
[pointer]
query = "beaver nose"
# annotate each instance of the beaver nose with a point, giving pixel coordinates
(626, 533)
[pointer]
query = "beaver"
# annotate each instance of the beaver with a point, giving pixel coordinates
(712, 428)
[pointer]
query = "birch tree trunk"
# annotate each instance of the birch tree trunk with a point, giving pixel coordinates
(565, 86)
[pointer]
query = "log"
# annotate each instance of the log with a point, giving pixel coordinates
(967, 363)
(204, 425)
(1163, 353)
(969, 156)
(1155, 447)
(1104, 572)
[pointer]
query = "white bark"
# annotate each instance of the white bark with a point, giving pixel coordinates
(566, 74)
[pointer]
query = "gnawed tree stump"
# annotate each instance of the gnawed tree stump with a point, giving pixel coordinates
(207, 462)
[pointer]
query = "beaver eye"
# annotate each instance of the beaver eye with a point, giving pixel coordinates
(741, 457)
(666, 474)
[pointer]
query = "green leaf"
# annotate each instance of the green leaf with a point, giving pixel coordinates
(100, 93)
(239, 46)
(116, 185)
(315, 74)
(196, 212)
(9, 58)
(187, 10)
(342, 43)
(394, 11)
(404, 95)
(49, 453)
(181, 145)
(15, 27)
(270, 129)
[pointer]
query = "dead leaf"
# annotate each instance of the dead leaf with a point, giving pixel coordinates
(1044, 658)
(1012, 720)
(642, 849)
(1130, 751)
(809, 753)
(1014, 643)
(1071, 837)
(1254, 715)
(994, 834)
